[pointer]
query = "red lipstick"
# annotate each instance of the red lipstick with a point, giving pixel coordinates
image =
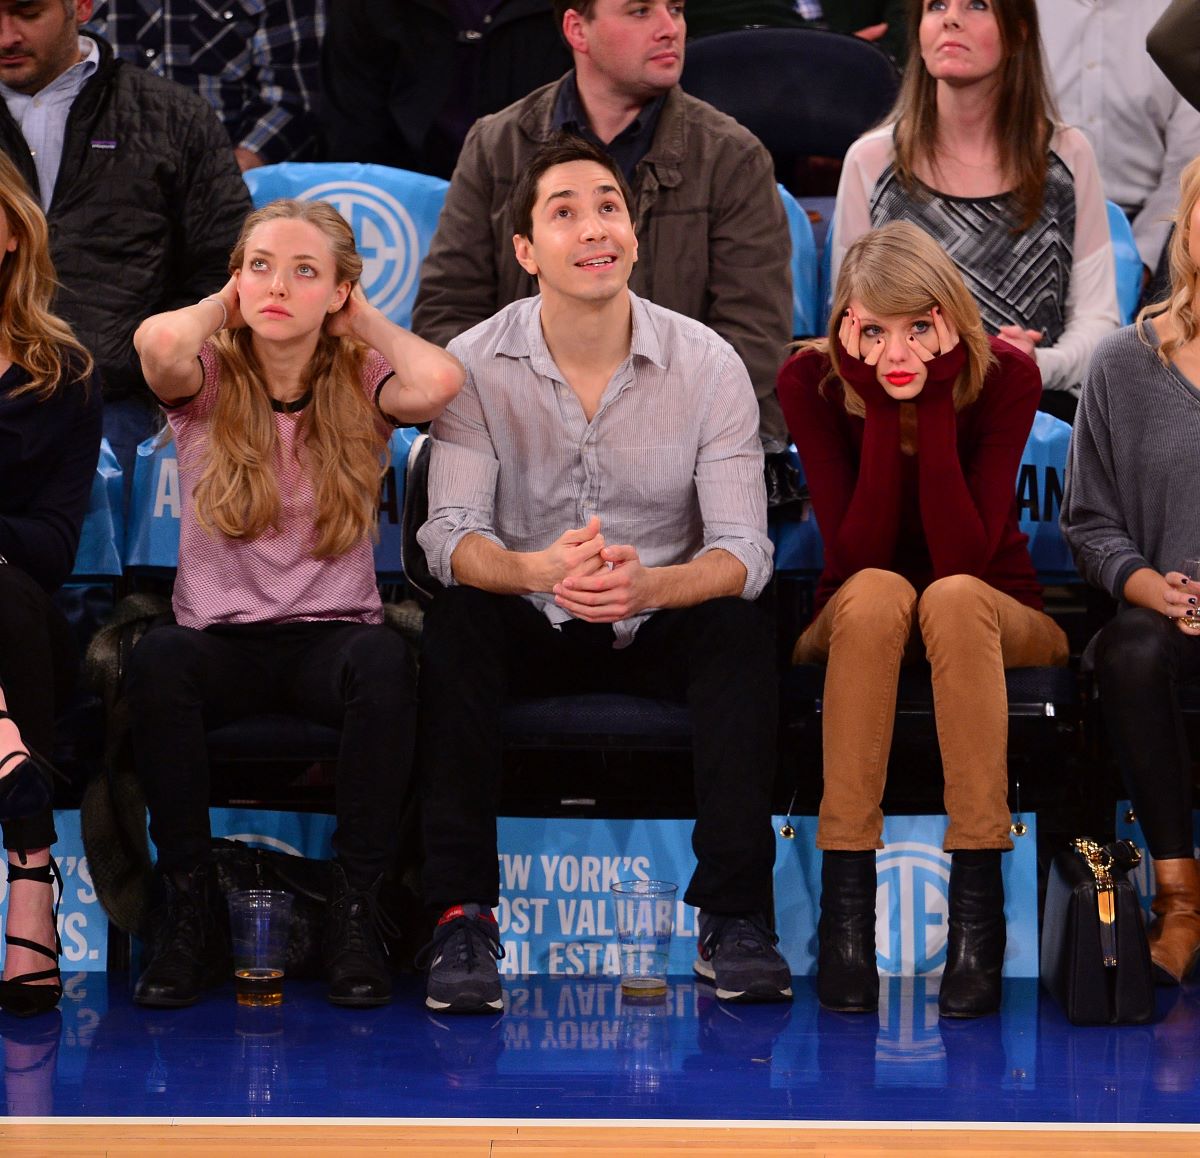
(899, 377)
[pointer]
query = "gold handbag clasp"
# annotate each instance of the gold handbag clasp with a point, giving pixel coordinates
(1100, 861)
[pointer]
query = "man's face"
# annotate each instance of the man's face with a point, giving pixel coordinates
(39, 41)
(582, 245)
(635, 47)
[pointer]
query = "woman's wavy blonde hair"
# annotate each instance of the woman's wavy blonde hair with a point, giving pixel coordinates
(898, 270)
(32, 335)
(1179, 306)
(237, 493)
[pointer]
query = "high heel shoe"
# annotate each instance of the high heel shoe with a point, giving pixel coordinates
(19, 996)
(26, 789)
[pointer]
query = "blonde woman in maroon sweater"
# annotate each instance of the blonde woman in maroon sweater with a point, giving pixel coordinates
(911, 422)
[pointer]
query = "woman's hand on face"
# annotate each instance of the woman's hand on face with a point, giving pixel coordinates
(1025, 340)
(850, 335)
(947, 338)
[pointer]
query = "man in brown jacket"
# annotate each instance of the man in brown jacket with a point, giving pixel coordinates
(713, 237)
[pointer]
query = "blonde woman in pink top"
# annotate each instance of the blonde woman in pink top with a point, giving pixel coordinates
(281, 391)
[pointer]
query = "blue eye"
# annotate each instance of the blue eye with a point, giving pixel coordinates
(921, 327)
(871, 331)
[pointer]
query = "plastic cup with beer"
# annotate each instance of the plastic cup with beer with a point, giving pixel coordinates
(645, 912)
(259, 925)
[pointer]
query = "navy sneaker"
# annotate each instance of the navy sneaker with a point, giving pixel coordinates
(738, 955)
(462, 957)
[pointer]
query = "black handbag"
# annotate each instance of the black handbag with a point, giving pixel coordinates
(1095, 957)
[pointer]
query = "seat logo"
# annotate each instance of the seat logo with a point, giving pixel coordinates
(262, 840)
(911, 908)
(386, 237)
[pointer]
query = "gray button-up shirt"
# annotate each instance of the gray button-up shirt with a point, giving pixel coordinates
(671, 462)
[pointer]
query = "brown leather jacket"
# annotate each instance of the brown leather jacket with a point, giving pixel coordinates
(713, 238)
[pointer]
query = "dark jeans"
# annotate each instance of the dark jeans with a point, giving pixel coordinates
(478, 649)
(353, 676)
(37, 669)
(1140, 661)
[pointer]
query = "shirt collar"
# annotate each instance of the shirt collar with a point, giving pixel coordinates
(73, 79)
(524, 338)
(569, 115)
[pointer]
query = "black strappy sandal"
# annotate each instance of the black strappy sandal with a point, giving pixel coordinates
(18, 996)
(26, 789)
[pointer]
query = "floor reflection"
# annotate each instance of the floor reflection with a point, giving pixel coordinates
(571, 1047)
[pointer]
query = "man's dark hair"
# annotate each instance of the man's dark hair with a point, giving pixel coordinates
(560, 151)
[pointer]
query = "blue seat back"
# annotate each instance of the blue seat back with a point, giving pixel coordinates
(102, 537)
(805, 301)
(1128, 262)
(393, 214)
(156, 500)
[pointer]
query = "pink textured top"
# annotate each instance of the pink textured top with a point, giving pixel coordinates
(274, 578)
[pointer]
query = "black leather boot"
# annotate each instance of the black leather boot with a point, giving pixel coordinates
(191, 944)
(977, 935)
(356, 961)
(847, 976)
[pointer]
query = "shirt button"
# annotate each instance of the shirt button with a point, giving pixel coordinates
(227, 15)
(488, 18)
(472, 34)
(149, 52)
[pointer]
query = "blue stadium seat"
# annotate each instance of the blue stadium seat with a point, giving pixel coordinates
(393, 214)
(805, 302)
(1128, 262)
(102, 539)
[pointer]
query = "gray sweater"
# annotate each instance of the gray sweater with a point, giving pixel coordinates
(1130, 499)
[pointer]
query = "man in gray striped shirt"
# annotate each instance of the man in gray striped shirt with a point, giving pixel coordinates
(597, 516)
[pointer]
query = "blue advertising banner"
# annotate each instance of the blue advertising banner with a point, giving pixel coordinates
(556, 915)
(82, 923)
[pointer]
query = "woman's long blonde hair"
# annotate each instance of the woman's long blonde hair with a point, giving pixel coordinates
(1025, 113)
(1179, 306)
(32, 335)
(237, 492)
(898, 270)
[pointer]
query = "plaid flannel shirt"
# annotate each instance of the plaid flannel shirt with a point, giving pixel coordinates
(257, 62)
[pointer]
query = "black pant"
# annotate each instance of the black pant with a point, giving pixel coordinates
(1141, 659)
(357, 677)
(37, 668)
(478, 649)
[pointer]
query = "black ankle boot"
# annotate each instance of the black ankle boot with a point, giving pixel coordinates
(847, 976)
(191, 944)
(356, 962)
(977, 936)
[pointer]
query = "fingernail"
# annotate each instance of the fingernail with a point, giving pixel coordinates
(1191, 599)
(1184, 579)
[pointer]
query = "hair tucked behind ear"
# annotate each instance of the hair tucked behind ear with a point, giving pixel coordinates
(898, 270)
(237, 493)
(30, 334)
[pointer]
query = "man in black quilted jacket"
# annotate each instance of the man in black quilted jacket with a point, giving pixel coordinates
(138, 181)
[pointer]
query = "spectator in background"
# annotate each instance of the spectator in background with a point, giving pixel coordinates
(880, 21)
(139, 184)
(972, 154)
(1142, 131)
(255, 61)
(712, 234)
(403, 80)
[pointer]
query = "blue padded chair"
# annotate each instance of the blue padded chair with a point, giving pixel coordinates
(1128, 262)
(102, 538)
(590, 720)
(393, 214)
(805, 302)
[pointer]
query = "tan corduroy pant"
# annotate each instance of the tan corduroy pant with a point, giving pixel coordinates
(970, 633)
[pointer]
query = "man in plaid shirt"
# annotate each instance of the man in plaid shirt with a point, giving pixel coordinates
(255, 61)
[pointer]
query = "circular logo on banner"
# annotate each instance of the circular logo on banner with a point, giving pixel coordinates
(386, 237)
(259, 840)
(912, 906)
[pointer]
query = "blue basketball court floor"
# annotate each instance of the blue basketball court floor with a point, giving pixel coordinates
(568, 1048)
